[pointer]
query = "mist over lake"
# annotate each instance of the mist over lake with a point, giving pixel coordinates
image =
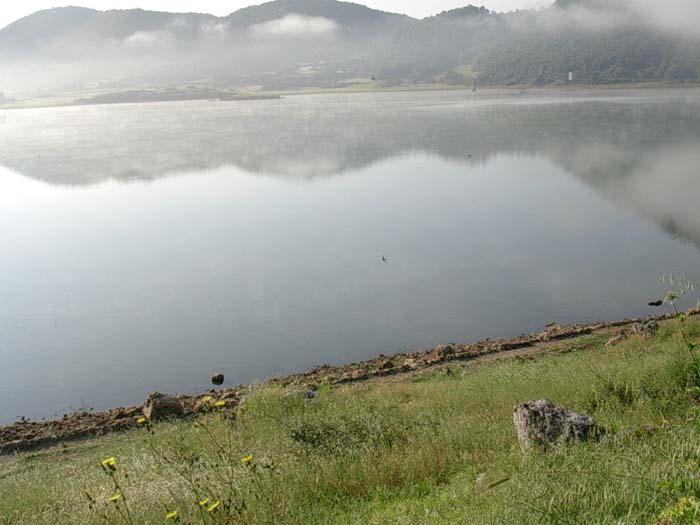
(143, 247)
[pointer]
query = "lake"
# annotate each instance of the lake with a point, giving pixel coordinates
(144, 247)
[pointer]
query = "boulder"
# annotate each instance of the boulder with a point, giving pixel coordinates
(410, 364)
(230, 395)
(124, 413)
(359, 374)
(443, 352)
(386, 364)
(203, 404)
(217, 379)
(159, 406)
(542, 424)
(645, 330)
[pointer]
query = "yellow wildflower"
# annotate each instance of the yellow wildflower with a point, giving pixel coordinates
(207, 399)
(247, 460)
(214, 506)
(109, 463)
(204, 502)
(141, 421)
(171, 515)
(220, 404)
(115, 498)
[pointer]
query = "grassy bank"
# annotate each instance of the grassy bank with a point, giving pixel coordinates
(433, 448)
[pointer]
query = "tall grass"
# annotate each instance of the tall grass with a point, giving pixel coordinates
(432, 449)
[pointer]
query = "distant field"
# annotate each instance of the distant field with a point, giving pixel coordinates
(355, 86)
(434, 448)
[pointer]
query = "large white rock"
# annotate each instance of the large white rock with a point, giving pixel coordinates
(543, 424)
(159, 406)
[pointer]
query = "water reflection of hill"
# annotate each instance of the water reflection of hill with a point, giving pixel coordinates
(638, 150)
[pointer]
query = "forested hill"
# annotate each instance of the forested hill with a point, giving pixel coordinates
(599, 41)
(327, 43)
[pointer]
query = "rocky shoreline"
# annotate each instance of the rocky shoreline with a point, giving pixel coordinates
(26, 435)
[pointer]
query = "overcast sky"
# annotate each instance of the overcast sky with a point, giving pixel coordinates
(11, 10)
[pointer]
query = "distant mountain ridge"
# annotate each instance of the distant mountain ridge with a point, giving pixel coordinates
(324, 43)
(465, 12)
(49, 24)
(44, 26)
(345, 14)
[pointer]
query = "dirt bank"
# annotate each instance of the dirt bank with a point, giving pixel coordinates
(28, 435)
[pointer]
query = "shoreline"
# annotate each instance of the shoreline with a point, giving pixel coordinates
(26, 435)
(77, 100)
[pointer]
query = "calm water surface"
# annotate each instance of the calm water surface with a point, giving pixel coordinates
(143, 247)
